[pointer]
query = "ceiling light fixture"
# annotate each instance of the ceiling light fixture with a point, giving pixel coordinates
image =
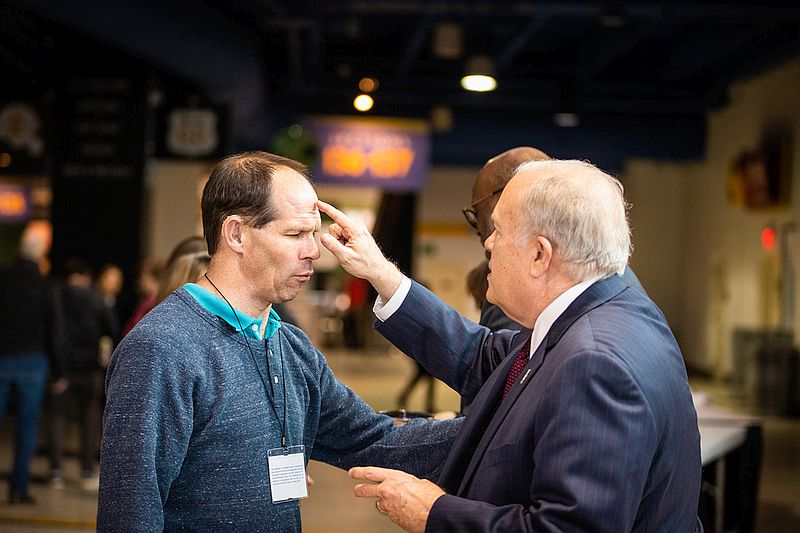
(363, 102)
(368, 85)
(478, 76)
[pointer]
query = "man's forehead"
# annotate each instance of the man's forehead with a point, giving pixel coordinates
(297, 214)
(511, 197)
(527, 173)
(293, 197)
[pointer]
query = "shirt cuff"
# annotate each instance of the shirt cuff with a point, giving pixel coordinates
(383, 309)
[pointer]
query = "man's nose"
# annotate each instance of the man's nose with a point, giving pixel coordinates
(489, 243)
(312, 250)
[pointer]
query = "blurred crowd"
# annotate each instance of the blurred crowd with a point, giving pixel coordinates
(57, 334)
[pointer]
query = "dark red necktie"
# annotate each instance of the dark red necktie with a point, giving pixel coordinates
(516, 369)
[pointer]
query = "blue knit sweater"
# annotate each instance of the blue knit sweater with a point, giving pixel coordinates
(188, 423)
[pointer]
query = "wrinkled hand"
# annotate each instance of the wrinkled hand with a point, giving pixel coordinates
(405, 499)
(353, 246)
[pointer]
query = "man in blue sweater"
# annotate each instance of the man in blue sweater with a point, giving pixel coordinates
(215, 406)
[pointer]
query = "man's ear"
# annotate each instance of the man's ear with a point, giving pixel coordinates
(232, 231)
(541, 253)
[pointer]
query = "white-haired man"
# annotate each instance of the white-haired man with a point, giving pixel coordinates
(589, 425)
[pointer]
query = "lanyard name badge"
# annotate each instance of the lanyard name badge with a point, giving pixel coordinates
(286, 465)
(287, 473)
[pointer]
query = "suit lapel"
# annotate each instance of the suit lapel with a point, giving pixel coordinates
(504, 407)
(480, 414)
(490, 415)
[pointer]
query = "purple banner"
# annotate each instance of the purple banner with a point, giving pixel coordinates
(393, 154)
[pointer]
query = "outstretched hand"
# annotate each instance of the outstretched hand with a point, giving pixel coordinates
(353, 246)
(406, 500)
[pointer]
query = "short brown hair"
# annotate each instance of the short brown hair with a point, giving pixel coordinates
(241, 184)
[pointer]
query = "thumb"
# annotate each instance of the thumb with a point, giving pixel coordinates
(333, 245)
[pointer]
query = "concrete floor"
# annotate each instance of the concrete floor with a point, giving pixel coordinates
(331, 506)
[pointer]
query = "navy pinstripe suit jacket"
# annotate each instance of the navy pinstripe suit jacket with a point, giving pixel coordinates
(600, 436)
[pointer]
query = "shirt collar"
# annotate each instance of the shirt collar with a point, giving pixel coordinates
(556, 308)
(250, 326)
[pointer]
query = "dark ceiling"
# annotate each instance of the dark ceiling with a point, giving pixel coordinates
(613, 57)
(630, 67)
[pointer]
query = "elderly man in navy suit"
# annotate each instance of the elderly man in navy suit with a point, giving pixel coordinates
(589, 424)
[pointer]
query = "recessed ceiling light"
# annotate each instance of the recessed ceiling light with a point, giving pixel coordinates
(363, 102)
(368, 85)
(479, 83)
(478, 75)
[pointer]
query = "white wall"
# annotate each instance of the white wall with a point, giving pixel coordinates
(701, 257)
(173, 192)
(447, 247)
(656, 191)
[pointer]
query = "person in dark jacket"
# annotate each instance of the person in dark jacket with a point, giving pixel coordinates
(29, 333)
(87, 319)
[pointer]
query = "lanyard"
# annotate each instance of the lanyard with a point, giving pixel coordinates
(270, 397)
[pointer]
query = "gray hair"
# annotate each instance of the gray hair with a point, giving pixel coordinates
(583, 213)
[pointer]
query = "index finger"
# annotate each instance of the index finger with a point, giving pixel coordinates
(337, 216)
(370, 473)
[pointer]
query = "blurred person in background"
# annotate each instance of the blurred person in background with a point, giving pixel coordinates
(420, 375)
(30, 330)
(187, 262)
(87, 319)
(429, 382)
(229, 402)
(477, 284)
(109, 283)
(189, 245)
(186, 268)
(147, 284)
(486, 189)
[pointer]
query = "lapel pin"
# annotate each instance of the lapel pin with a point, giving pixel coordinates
(527, 373)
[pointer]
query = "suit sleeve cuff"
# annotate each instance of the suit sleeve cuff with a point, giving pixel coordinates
(384, 309)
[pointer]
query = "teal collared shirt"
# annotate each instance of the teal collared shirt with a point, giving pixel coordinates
(250, 326)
